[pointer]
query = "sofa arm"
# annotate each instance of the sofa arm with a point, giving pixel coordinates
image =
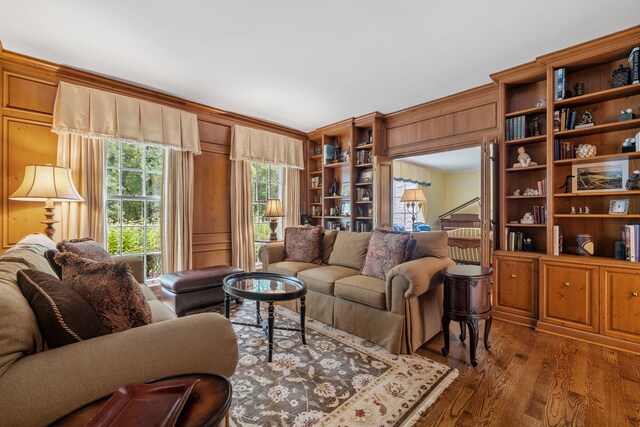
(413, 278)
(271, 253)
(135, 264)
(39, 389)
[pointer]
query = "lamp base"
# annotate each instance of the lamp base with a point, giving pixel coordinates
(50, 220)
(273, 224)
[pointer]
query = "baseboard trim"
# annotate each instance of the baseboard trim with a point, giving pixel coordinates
(601, 340)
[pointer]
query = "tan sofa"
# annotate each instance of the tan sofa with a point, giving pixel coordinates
(400, 313)
(38, 386)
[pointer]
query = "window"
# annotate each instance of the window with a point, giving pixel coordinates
(266, 183)
(134, 187)
(401, 215)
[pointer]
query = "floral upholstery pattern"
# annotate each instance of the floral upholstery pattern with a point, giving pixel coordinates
(109, 287)
(303, 244)
(86, 248)
(386, 250)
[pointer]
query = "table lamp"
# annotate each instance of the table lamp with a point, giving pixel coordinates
(47, 183)
(414, 199)
(274, 211)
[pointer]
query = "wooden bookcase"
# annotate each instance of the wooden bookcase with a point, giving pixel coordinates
(593, 298)
(357, 176)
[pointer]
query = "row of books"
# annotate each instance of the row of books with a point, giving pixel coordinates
(364, 157)
(540, 214)
(565, 119)
(559, 82)
(632, 242)
(563, 149)
(362, 226)
(634, 65)
(517, 241)
(542, 187)
(516, 128)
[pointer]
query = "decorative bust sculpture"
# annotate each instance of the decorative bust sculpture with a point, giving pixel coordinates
(524, 160)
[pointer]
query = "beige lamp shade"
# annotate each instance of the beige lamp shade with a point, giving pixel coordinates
(46, 182)
(413, 196)
(274, 209)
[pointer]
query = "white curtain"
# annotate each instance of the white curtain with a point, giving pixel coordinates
(291, 198)
(242, 238)
(176, 226)
(86, 158)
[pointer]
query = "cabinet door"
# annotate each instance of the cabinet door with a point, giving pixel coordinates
(569, 295)
(516, 286)
(620, 306)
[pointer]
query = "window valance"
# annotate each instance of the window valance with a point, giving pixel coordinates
(255, 145)
(97, 114)
(409, 172)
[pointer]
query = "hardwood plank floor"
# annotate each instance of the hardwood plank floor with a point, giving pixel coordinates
(530, 378)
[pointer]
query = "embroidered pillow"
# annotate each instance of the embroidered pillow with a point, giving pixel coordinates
(386, 250)
(86, 248)
(109, 287)
(303, 244)
(64, 317)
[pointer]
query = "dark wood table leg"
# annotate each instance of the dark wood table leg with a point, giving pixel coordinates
(473, 336)
(445, 330)
(463, 331)
(302, 315)
(227, 305)
(270, 326)
(258, 317)
(487, 328)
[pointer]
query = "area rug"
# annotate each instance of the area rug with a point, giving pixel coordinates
(337, 379)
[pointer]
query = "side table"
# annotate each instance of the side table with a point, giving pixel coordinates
(467, 299)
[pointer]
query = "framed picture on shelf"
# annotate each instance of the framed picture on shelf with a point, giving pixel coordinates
(345, 208)
(366, 175)
(601, 176)
(619, 206)
(345, 189)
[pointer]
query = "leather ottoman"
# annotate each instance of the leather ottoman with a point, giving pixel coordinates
(190, 290)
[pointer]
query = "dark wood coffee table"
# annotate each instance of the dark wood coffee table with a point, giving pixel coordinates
(268, 287)
(207, 405)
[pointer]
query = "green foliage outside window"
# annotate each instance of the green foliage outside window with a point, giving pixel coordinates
(266, 184)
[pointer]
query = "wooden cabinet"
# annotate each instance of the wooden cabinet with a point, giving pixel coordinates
(516, 287)
(620, 303)
(569, 295)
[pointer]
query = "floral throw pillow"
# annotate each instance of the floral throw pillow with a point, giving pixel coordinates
(386, 250)
(303, 244)
(109, 287)
(86, 248)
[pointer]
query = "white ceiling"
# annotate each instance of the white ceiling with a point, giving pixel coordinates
(308, 63)
(462, 160)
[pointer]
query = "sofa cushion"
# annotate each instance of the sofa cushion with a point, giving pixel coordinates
(86, 248)
(431, 243)
(350, 249)
(63, 315)
(19, 331)
(327, 244)
(303, 244)
(290, 268)
(363, 289)
(386, 250)
(321, 279)
(109, 287)
(33, 260)
(159, 311)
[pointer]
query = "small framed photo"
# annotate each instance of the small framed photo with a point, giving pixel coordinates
(345, 189)
(366, 175)
(619, 206)
(345, 208)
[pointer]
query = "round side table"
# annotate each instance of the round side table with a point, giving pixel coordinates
(467, 299)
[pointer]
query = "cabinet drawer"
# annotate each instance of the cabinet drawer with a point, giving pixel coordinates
(516, 286)
(620, 305)
(569, 295)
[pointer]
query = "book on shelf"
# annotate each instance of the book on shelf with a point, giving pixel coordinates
(329, 153)
(516, 128)
(632, 242)
(559, 83)
(556, 121)
(514, 240)
(634, 65)
(584, 125)
(563, 150)
(542, 187)
(557, 240)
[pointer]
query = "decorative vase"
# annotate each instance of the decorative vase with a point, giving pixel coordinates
(585, 244)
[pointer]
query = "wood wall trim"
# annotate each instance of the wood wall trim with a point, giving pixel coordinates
(526, 73)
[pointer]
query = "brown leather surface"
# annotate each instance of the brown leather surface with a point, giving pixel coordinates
(197, 279)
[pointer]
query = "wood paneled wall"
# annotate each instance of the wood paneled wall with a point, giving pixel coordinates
(446, 123)
(27, 96)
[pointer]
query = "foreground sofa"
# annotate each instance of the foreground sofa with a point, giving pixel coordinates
(38, 386)
(400, 313)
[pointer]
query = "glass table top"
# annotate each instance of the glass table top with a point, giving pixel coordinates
(264, 285)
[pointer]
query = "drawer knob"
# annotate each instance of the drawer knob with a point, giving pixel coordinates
(635, 294)
(566, 284)
(514, 276)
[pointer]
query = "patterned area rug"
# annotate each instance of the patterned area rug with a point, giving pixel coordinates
(336, 380)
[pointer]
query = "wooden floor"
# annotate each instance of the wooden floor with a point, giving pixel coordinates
(531, 378)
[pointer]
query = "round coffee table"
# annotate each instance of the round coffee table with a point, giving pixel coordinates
(266, 287)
